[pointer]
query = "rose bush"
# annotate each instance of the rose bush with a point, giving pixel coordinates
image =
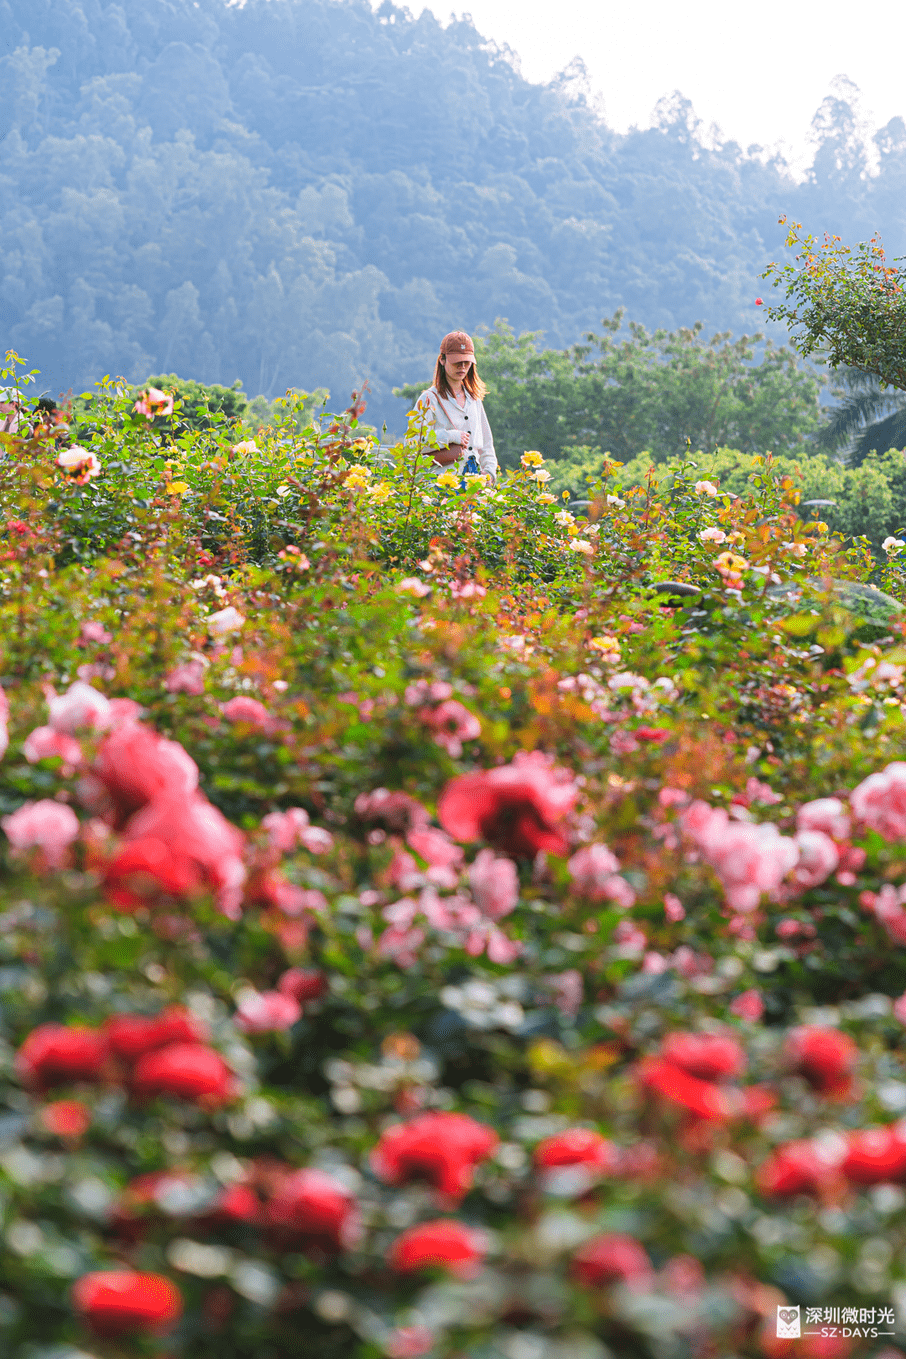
(505, 967)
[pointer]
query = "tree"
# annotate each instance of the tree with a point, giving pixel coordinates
(848, 304)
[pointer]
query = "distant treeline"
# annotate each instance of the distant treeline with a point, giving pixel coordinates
(308, 193)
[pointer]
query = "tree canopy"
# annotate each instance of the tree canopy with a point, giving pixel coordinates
(847, 303)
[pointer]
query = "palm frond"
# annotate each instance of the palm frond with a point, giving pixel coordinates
(863, 408)
(883, 434)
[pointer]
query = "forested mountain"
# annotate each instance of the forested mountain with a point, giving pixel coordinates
(308, 192)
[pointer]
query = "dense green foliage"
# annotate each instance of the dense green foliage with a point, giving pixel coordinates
(626, 390)
(316, 620)
(302, 193)
(847, 303)
(867, 500)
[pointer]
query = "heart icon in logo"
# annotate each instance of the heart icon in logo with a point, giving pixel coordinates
(788, 1314)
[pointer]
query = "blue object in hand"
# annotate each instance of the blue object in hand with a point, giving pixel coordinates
(471, 469)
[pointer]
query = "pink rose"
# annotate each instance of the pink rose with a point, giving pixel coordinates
(889, 908)
(248, 710)
(80, 464)
(154, 402)
(267, 1012)
(186, 679)
(825, 814)
(818, 857)
(290, 829)
(595, 874)
(393, 811)
(46, 825)
(748, 1006)
(92, 631)
(567, 990)
(674, 910)
(46, 744)
(495, 884)
(749, 859)
(451, 723)
(80, 706)
(434, 846)
(879, 802)
(285, 829)
(316, 840)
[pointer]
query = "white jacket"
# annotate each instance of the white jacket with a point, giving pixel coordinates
(449, 420)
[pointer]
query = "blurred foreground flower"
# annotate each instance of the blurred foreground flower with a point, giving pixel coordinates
(79, 464)
(122, 1302)
(46, 825)
(442, 1149)
(313, 1211)
(612, 1258)
(442, 1244)
(516, 807)
(154, 402)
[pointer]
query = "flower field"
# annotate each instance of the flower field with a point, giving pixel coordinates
(441, 920)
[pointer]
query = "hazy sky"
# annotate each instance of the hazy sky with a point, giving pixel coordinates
(759, 71)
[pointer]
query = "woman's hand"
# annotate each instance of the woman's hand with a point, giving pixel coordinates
(465, 439)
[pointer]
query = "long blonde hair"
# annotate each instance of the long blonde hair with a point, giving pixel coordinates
(472, 382)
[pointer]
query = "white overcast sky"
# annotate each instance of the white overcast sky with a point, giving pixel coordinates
(757, 70)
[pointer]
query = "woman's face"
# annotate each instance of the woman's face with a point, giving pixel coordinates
(457, 367)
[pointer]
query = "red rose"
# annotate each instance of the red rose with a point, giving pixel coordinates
(440, 1148)
(188, 1071)
(205, 849)
(136, 765)
(517, 808)
(131, 1036)
(120, 1302)
(303, 983)
(656, 735)
(145, 1198)
(236, 1203)
(576, 1147)
(709, 1056)
(141, 872)
(705, 1099)
(437, 1245)
(611, 1258)
(67, 1118)
(876, 1156)
(824, 1057)
(313, 1210)
(53, 1054)
(795, 1168)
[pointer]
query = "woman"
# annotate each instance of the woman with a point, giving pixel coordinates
(455, 409)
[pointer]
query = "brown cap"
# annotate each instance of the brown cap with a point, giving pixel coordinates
(459, 344)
